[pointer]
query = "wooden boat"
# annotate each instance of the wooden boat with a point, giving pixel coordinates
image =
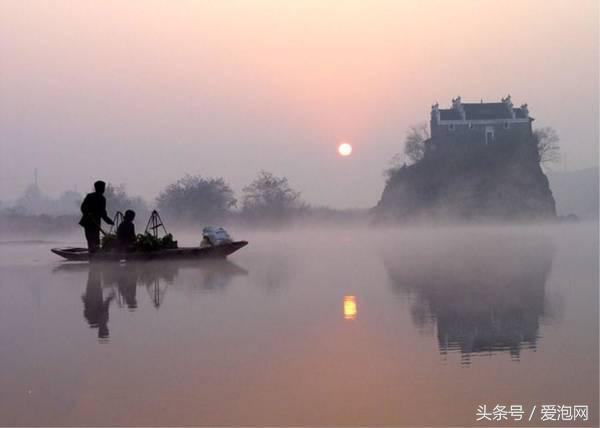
(218, 251)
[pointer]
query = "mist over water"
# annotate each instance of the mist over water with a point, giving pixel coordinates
(364, 150)
(309, 326)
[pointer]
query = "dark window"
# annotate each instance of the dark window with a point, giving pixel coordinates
(505, 125)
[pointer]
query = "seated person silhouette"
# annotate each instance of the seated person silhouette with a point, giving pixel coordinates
(126, 232)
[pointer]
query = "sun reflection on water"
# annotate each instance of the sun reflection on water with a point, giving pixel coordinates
(350, 307)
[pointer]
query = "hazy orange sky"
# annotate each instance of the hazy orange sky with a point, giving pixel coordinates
(141, 92)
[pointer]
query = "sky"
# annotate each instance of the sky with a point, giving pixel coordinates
(142, 92)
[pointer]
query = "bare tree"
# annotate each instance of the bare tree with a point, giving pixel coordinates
(197, 199)
(269, 197)
(414, 142)
(548, 148)
(117, 199)
(397, 162)
(414, 149)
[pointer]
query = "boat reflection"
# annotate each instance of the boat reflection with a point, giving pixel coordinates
(108, 282)
(95, 305)
(126, 278)
(481, 297)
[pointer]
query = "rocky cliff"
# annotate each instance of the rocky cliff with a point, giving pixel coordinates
(502, 181)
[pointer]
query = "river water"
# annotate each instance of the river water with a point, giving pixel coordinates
(395, 327)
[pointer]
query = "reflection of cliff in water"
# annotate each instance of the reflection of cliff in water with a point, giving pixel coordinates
(482, 296)
(121, 282)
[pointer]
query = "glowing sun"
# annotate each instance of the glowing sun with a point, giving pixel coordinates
(345, 149)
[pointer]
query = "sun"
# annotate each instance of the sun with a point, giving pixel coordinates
(345, 149)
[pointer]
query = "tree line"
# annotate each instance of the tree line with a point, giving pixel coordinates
(192, 199)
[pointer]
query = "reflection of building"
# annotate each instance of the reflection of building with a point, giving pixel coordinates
(487, 297)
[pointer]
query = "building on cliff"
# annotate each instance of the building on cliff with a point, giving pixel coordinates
(481, 162)
(479, 123)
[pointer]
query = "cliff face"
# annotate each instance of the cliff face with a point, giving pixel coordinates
(464, 182)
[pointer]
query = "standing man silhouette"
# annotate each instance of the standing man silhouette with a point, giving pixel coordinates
(93, 209)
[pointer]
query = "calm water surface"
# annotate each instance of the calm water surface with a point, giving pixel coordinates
(405, 327)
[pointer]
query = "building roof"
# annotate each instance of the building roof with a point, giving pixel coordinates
(520, 113)
(449, 114)
(482, 111)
